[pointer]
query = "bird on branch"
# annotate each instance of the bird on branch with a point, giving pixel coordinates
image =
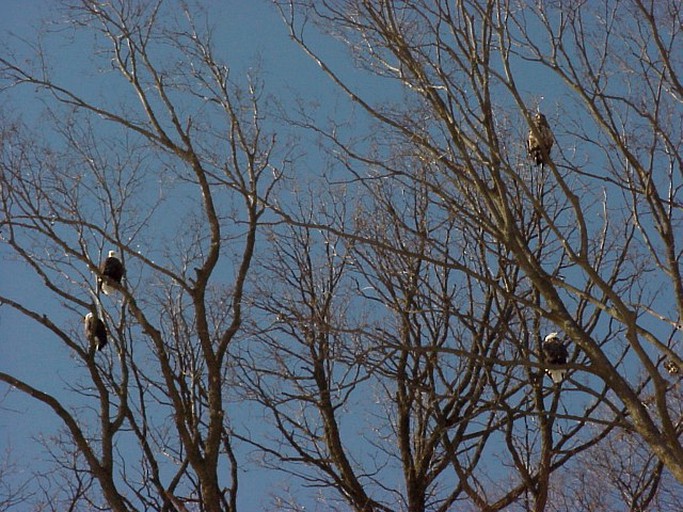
(111, 271)
(540, 140)
(95, 331)
(555, 353)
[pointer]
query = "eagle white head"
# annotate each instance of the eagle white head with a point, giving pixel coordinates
(111, 254)
(551, 336)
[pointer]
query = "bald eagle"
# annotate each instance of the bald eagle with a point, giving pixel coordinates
(111, 271)
(554, 352)
(95, 331)
(540, 140)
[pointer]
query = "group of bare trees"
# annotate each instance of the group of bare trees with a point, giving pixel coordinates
(371, 332)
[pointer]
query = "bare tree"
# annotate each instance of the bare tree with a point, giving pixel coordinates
(590, 237)
(191, 137)
(389, 327)
(448, 357)
(15, 488)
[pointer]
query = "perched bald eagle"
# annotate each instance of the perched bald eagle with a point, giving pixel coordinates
(95, 331)
(554, 352)
(540, 140)
(111, 271)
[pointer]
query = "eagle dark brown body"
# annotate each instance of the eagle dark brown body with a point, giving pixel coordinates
(540, 140)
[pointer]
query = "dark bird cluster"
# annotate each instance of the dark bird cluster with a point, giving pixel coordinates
(554, 352)
(109, 277)
(540, 140)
